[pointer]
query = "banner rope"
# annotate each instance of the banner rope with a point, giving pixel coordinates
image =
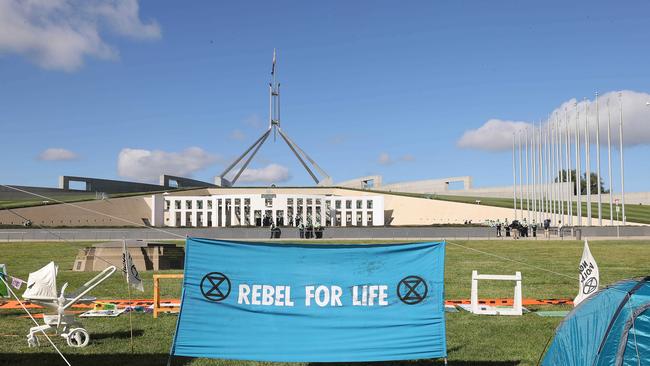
(34, 320)
(513, 260)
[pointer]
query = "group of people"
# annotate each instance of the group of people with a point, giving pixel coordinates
(309, 231)
(517, 229)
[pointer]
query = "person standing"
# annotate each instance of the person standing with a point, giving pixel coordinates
(301, 230)
(498, 226)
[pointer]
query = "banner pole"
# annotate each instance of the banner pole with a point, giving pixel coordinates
(128, 287)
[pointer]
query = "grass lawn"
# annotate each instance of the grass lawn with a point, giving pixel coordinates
(634, 213)
(472, 340)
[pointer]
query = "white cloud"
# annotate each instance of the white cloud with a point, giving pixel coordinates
(148, 165)
(272, 173)
(59, 34)
(57, 154)
(237, 135)
(496, 134)
(385, 159)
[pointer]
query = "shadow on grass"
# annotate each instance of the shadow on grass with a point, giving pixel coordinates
(112, 359)
(421, 363)
(119, 335)
(126, 359)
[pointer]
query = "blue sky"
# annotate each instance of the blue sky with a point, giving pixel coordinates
(360, 80)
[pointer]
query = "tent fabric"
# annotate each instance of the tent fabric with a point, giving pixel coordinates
(4, 292)
(608, 328)
(41, 285)
(222, 318)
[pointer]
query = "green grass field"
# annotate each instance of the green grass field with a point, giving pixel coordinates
(634, 213)
(472, 340)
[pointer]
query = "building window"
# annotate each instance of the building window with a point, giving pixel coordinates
(318, 201)
(167, 204)
(188, 204)
(338, 205)
(177, 204)
(369, 204)
(209, 204)
(359, 204)
(348, 204)
(268, 202)
(309, 201)
(199, 205)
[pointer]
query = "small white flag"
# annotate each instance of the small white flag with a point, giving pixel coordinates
(589, 276)
(16, 283)
(129, 269)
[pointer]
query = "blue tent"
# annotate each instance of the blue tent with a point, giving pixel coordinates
(612, 327)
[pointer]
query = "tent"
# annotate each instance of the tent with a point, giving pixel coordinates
(611, 327)
(3, 288)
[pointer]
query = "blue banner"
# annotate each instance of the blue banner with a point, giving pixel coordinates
(312, 303)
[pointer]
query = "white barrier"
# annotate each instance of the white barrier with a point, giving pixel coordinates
(476, 308)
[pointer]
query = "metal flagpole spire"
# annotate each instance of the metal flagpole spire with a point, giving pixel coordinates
(600, 198)
(578, 168)
(521, 192)
(527, 177)
(609, 164)
(558, 169)
(514, 177)
(620, 139)
(553, 170)
(274, 125)
(547, 169)
(588, 163)
(567, 152)
(533, 165)
(540, 171)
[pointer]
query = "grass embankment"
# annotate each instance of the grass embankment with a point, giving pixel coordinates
(472, 340)
(635, 213)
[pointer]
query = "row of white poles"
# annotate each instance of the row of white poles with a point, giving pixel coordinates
(548, 155)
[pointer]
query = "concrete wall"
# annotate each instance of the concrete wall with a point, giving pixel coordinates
(108, 185)
(182, 182)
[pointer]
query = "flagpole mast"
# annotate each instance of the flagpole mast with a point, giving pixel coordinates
(551, 151)
(548, 170)
(533, 163)
(578, 168)
(521, 192)
(620, 139)
(587, 163)
(514, 177)
(527, 178)
(567, 153)
(600, 198)
(558, 169)
(609, 164)
(540, 145)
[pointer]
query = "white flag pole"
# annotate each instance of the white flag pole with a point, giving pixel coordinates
(521, 192)
(620, 139)
(600, 198)
(587, 163)
(567, 153)
(578, 169)
(514, 177)
(609, 164)
(527, 178)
